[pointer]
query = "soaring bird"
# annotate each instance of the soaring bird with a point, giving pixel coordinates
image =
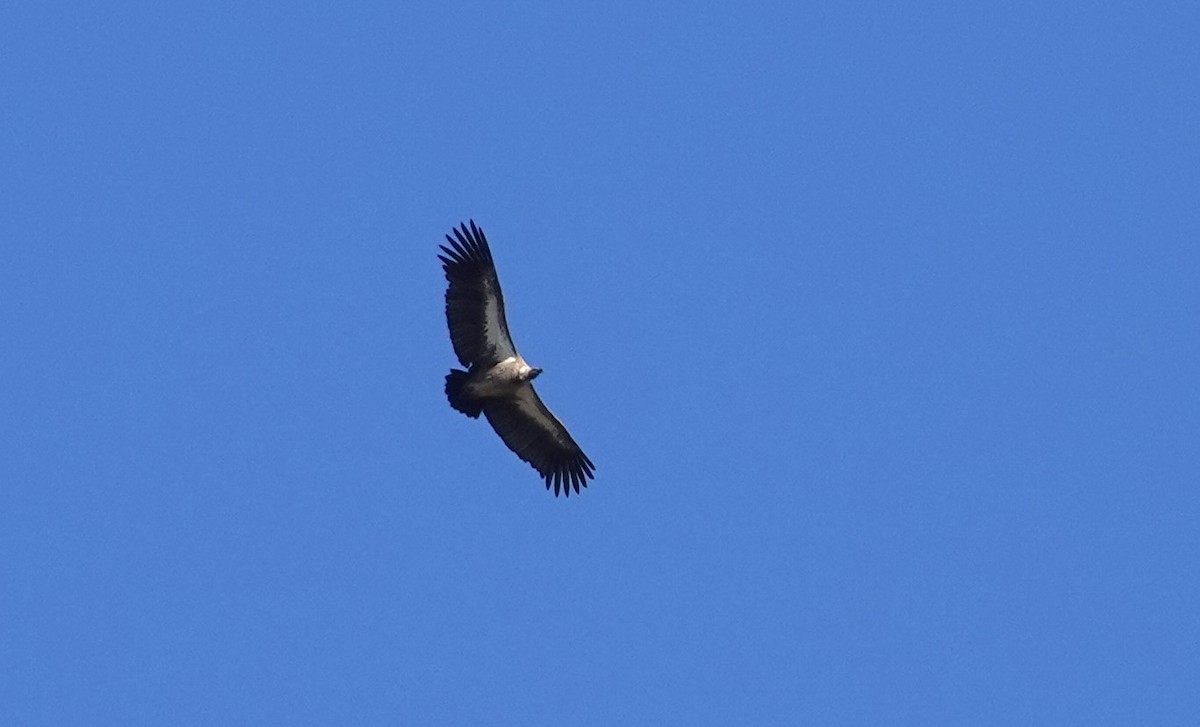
(499, 383)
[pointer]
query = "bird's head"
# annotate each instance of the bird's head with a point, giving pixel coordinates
(532, 374)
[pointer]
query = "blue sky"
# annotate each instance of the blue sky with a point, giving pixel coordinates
(879, 323)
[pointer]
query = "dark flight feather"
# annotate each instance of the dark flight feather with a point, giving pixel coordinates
(539, 438)
(474, 303)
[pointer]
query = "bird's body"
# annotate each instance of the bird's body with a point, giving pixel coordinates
(498, 382)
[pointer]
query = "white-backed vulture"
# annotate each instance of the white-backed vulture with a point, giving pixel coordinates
(498, 382)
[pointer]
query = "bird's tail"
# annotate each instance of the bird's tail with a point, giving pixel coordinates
(456, 382)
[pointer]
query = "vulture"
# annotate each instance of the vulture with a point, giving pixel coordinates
(498, 383)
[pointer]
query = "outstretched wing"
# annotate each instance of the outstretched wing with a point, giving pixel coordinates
(530, 430)
(474, 304)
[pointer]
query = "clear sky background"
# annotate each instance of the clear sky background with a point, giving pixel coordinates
(880, 325)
